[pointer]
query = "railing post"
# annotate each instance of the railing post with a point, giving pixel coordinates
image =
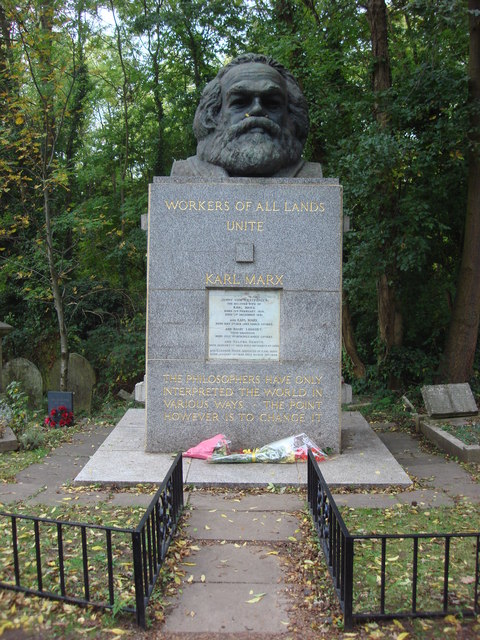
(138, 578)
(348, 585)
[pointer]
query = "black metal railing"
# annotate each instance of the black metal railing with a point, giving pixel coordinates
(92, 564)
(394, 575)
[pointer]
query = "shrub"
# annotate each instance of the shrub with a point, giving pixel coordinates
(32, 438)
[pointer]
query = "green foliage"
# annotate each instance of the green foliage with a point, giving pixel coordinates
(32, 437)
(17, 401)
(121, 101)
(117, 351)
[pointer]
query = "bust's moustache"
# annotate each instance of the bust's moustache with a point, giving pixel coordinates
(254, 122)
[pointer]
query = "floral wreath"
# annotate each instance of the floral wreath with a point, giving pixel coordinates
(59, 416)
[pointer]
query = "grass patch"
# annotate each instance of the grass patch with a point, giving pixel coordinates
(468, 433)
(11, 462)
(63, 620)
(462, 518)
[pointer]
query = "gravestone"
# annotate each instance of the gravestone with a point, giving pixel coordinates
(81, 380)
(4, 330)
(449, 400)
(30, 378)
(244, 311)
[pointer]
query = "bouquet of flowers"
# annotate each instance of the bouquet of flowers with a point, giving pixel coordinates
(59, 417)
(282, 451)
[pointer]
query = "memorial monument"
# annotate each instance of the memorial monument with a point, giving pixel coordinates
(244, 274)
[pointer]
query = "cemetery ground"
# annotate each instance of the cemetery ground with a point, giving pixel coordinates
(313, 610)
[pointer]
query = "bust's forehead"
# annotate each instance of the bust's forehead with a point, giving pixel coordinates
(252, 74)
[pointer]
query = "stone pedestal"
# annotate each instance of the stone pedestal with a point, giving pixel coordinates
(244, 311)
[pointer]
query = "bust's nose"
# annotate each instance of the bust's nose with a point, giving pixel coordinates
(256, 108)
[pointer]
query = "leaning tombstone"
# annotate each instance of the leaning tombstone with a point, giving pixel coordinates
(81, 380)
(28, 375)
(244, 274)
(449, 400)
(8, 440)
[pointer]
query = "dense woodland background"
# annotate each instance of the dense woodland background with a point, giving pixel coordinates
(97, 98)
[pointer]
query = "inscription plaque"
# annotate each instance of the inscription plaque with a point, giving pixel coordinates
(243, 324)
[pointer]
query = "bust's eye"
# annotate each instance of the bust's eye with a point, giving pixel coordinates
(239, 101)
(273, 102)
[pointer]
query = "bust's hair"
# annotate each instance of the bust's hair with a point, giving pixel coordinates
(208, 110)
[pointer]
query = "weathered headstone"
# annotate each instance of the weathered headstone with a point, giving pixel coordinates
(449, 400)
(244, 311)
(30, 378)
(139, 392)
(81, 380)
(4, 330)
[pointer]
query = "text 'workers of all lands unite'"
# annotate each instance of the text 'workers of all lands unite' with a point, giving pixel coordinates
(246, 206)
(277, 402)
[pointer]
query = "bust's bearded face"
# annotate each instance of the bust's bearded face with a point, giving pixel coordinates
(254, 136)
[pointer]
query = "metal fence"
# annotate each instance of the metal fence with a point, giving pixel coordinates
(109, 567)
(381, 576)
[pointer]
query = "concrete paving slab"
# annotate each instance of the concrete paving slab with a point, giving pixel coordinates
(219, 524)
(246, 475)
(230, 562)
(364, 500)
(130, 500)
(109, 466)
(260, 502)
(11, 493)
(217, 608)
(53, 496)
(425, 498)
(470, 491)
(365, 461)
(52, 471)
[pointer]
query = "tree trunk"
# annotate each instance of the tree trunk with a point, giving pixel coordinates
(390, 321)
(57, 295)
(349, 340)
(462, 337)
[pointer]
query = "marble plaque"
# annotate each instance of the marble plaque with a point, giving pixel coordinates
(243, 324)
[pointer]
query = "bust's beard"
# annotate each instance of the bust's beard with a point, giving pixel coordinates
(243, 152)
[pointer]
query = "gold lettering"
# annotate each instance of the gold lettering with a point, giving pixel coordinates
(244, 225)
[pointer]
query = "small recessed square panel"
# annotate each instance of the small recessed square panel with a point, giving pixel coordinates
(243, 324)
(244, 252)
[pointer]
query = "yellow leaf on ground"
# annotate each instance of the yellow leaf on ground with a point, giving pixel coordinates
(403, 636)
(202, 578)
(256, 598)
(118, 632)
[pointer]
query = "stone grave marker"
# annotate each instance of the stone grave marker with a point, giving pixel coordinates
(81, 380)
(4, 330)
(29, 376)
(449, 400)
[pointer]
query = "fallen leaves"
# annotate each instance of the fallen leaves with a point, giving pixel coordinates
(256, 598)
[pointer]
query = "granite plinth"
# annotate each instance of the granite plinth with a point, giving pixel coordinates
(121, 460)
(280, 239)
